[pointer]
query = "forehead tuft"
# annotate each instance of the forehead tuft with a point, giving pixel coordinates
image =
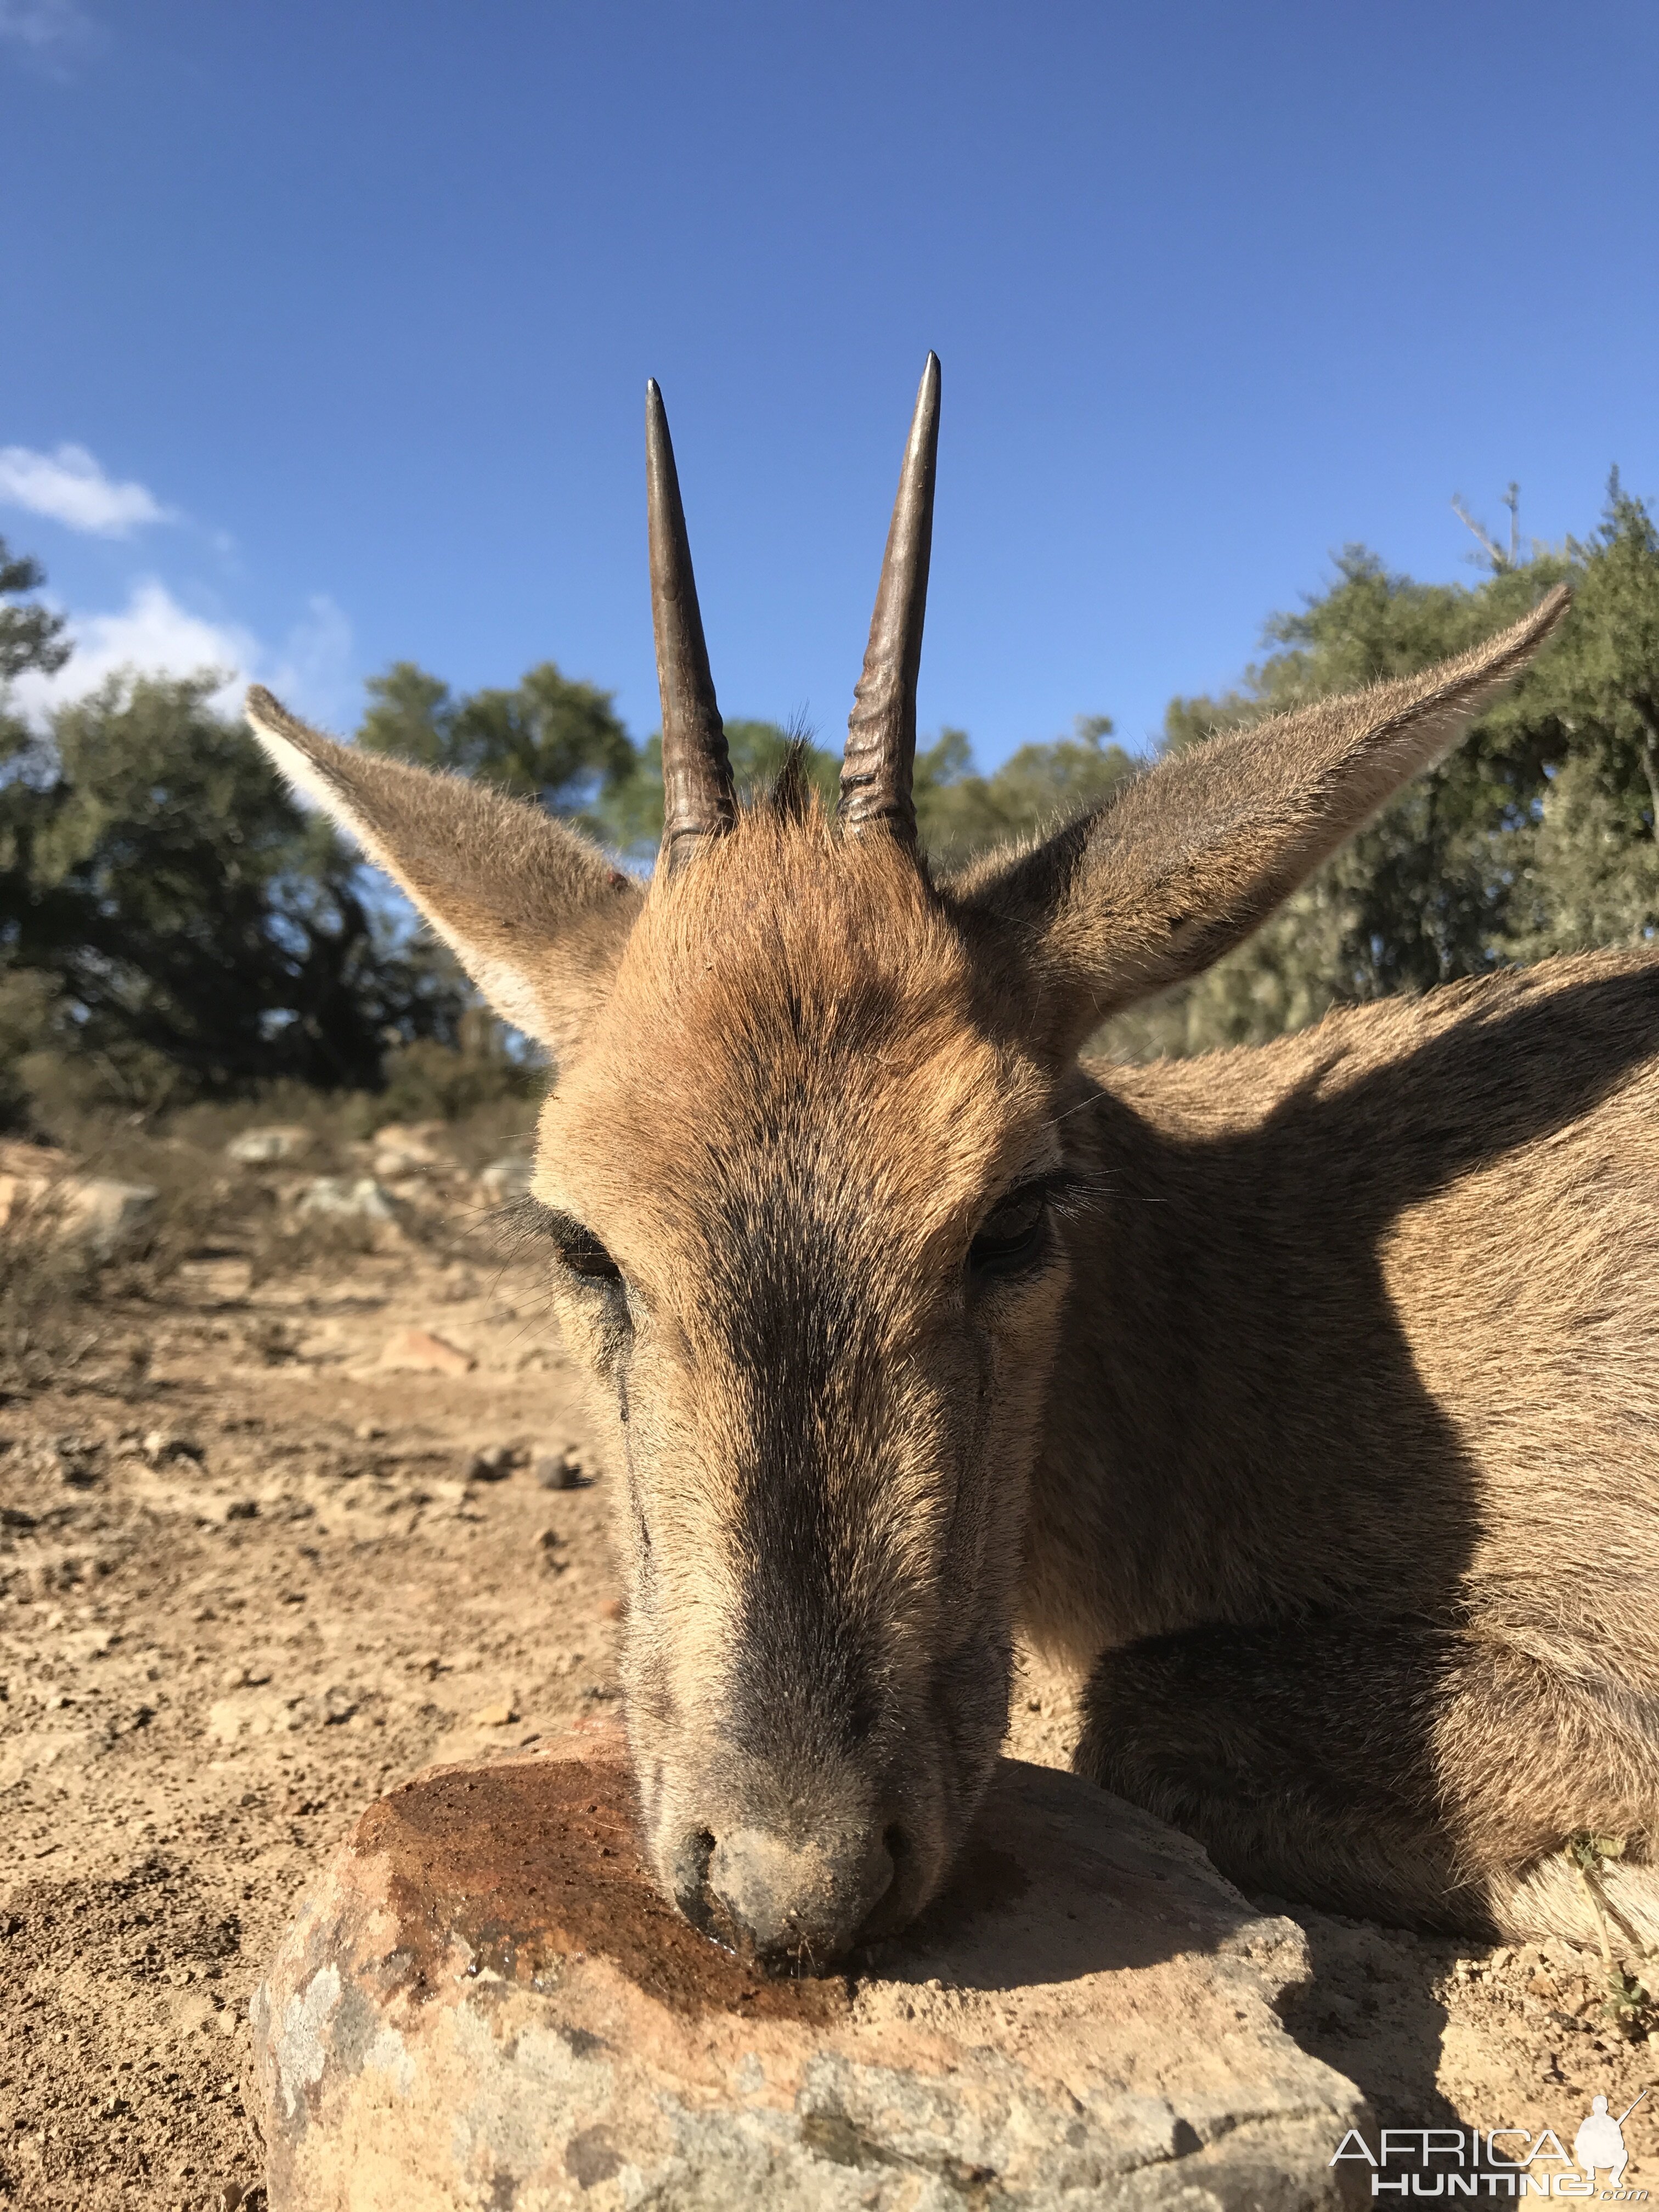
(787, 929)
(795, 1013)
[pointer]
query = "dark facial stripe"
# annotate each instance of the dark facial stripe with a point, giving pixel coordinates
(802, 1330)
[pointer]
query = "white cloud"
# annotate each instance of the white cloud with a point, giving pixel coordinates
(154, 635)
(69, 487)
(43, 26)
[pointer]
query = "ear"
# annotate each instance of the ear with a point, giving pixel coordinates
(534, 913)
(1187, 860)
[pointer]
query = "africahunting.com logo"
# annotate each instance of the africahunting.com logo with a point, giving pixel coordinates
(1500, 2161)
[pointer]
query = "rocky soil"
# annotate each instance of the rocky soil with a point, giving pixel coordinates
(273, 1531)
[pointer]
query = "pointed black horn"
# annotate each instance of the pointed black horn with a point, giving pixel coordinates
(881, 730)
(696, 770)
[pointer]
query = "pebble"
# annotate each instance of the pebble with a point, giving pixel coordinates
(493, 1464)
(501, 1715)
(260, 1147)
(561, 1470)
(354, 1197)
(162, 1444)
(418, 1350)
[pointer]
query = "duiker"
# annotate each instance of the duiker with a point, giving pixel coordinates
(1306, 1394)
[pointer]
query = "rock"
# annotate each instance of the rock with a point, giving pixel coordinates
(258, 1148)
(160, 1445)
(106, 1215)
(501, 1714)
(350, 1197)
(493, 1464)
(485, 2001)
(506, 1179)
(422, 1354)
(408, 1148)
(561, 1470)
(95, 1211)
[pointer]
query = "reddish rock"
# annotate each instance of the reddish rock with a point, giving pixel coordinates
(486, 2004)
(420, 1352)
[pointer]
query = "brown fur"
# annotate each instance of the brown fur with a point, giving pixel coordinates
(1314, 1420)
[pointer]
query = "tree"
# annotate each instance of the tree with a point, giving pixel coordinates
(197, 931)
(959, 811)
(30, 636)
(1536, 835)
(549, 738)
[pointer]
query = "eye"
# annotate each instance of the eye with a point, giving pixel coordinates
(583, 1254)
(1012, 1236)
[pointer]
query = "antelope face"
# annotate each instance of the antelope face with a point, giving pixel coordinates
(799, 1183)
(799, 1197)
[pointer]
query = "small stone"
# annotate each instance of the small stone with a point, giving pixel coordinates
(493, 1464)
(561, 1470)
(161, 1445)
(612, 1608)
(499, 1715)
(419, 1351)
(368, 1432)
(542, 2022)
(352, 1197)
(279, 1140)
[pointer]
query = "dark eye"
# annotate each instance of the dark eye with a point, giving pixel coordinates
(1011, 1236)
(583, 1254)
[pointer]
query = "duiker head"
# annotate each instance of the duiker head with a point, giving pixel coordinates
(813, 1210)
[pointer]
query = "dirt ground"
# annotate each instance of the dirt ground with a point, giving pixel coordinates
(250, 1575)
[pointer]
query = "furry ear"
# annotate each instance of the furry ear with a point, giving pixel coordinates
(1187, 860)
(534, 913)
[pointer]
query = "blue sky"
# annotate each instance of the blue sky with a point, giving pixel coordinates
(345, 313)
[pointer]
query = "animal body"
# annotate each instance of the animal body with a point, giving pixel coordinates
(1301, 1397)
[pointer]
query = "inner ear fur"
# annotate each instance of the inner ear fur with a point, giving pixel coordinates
(1188, 860)
(532, 910)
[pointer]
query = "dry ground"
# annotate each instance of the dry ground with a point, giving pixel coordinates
(248, 1577)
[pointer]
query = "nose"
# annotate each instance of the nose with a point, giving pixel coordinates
(790, 1905)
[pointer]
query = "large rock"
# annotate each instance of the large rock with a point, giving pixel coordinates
(485, 2003)
(40, 1193)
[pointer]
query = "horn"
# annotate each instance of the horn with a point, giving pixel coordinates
(696, 768)
(881, 730)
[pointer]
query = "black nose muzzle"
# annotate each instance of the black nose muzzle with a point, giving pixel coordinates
(792, 1904)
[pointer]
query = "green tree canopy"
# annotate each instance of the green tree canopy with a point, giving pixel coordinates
(1536, 835)
(960, 811)
(30, 636)
(549, 737)
(194, 930)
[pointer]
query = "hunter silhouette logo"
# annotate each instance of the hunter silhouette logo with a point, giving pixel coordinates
(1466, 2161)
(1600, 2141)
